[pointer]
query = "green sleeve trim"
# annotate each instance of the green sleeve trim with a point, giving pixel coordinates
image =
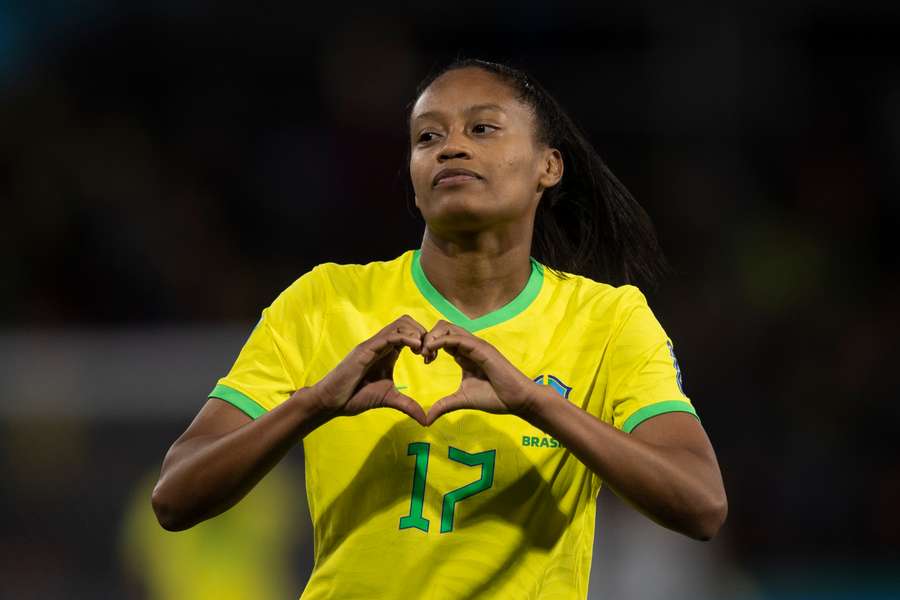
(242, 401)
(641, 415)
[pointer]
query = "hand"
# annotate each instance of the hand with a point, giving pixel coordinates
(489, 381)
(365, 378)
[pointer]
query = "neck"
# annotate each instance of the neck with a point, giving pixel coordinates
(479, 273)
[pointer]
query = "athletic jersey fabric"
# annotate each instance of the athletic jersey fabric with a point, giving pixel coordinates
(478, 505)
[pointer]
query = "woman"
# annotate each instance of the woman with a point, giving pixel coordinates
(524, 387)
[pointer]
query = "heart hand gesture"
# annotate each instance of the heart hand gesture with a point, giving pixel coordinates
(489, 381)
(365, 378)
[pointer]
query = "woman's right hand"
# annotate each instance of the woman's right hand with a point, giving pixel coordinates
(365, 378)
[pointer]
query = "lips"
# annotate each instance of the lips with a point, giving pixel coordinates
(452, 176)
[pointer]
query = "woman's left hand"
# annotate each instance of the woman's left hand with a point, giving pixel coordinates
(489, 381)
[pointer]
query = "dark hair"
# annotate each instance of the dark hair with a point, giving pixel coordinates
(589, 223)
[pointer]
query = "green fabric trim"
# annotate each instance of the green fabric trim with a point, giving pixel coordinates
(242, 401)
(641, 415)
(457, 317)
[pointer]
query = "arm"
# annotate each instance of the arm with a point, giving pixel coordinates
(666, 467)
(223, 454)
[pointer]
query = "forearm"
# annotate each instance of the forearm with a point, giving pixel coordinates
(676, 487)
(205, 475)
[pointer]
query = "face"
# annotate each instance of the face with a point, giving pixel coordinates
(475, 162)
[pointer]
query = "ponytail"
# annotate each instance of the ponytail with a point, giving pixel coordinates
(589, 223)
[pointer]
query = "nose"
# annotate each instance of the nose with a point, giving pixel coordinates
(454, 148)
(446, 154)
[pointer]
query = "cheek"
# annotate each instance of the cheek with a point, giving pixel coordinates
(515, 171)
(417, 171)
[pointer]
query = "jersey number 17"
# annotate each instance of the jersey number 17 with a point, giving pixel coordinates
(448, 505)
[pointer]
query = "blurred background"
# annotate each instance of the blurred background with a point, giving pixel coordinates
(167, 168)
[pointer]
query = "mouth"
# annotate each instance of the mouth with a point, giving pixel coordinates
(448, 177)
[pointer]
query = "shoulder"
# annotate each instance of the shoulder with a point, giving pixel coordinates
(361, 271)
(329, 279)
(595, 300)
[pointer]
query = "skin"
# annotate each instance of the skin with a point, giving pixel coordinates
(477, 239)
(476, 253)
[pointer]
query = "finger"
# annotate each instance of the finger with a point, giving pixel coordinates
(467, 346)
(455, 401)
(410, 339)
(441, 329)
(378, 347)
(407, 325)
(412, 323)
(394, 399)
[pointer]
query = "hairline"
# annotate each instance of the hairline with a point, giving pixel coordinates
(518, 95)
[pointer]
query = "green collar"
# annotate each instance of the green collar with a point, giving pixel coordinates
(455, 316)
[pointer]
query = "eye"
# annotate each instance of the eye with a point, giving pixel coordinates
(425, 137)
(483, 128)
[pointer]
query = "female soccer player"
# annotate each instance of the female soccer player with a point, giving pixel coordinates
(526, 383)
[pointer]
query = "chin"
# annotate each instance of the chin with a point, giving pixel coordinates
(454, 212)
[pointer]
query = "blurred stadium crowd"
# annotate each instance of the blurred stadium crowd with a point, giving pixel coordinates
(169, 168)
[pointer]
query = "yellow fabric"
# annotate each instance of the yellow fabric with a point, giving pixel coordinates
(529, 532)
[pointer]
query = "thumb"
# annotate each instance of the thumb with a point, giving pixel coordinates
(455, 401)
(394, 399)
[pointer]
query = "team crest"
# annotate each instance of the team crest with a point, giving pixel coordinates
(554, 382)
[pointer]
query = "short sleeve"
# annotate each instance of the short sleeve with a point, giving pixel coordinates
(272, 364)
(644, 376)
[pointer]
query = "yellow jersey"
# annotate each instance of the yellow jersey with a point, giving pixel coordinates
(477, 505)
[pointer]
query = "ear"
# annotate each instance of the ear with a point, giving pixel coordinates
(551, 168)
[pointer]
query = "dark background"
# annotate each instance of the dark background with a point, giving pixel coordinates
(166, 169)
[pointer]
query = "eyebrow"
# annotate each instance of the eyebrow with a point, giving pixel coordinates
(467, 110)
